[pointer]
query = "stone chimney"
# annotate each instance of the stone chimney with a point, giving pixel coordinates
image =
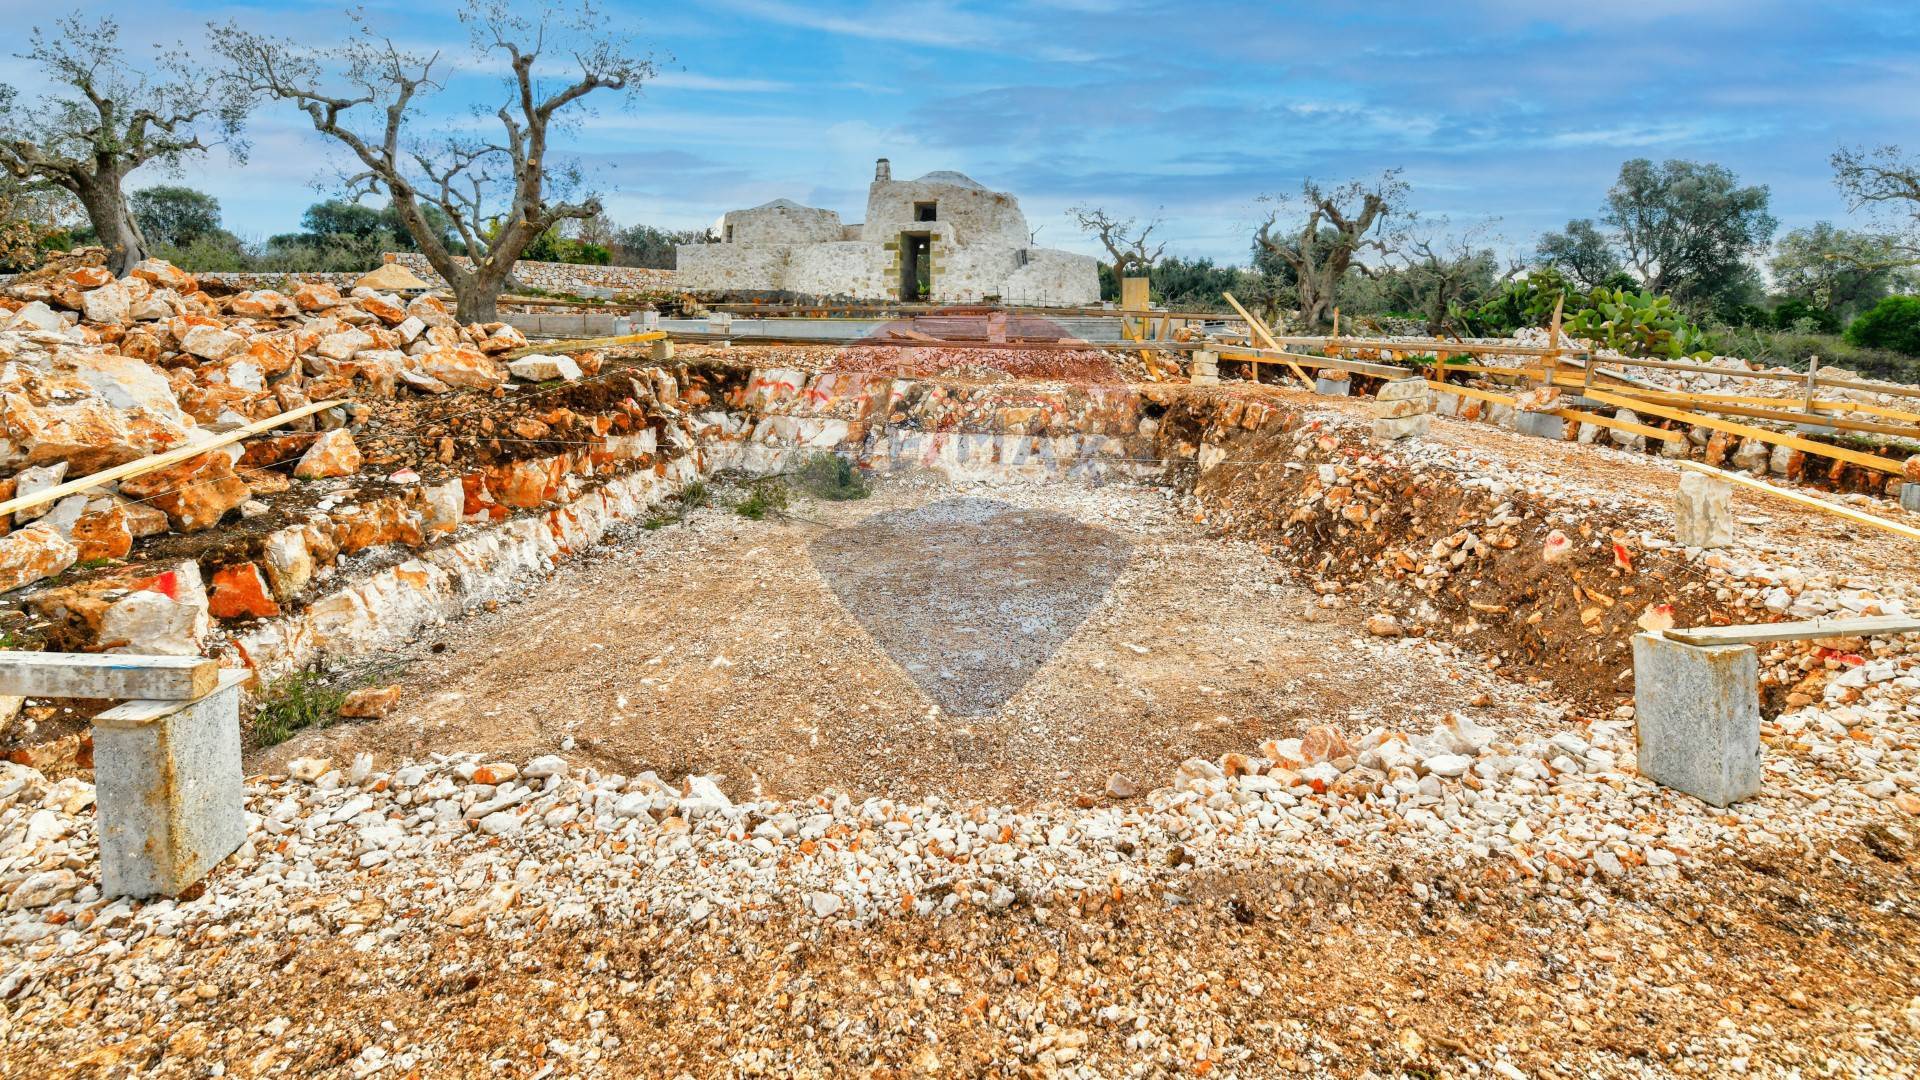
(882, 171)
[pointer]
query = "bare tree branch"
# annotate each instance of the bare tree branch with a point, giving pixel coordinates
(112, 119)
(499, 196)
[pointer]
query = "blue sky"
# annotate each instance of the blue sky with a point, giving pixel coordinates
(1494, 108)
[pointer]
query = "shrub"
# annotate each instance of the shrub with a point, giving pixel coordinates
(1799, 315)
(1637, 324)
(832, 477)
(1893, 323)
(767, 497)
(1527, 302)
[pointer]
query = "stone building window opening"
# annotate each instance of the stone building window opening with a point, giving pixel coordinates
(926, 211)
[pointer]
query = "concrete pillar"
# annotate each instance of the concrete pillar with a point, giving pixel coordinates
(649, 321)
(1540, 425)
(1703, 511)
(1204, 367)
(169, 789)
(1697, 710)
(1910, 496)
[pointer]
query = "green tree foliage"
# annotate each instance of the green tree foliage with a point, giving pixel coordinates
(550, 246)
(1687, 229)
(1796, 314)
(174, 216)
(1840, 271)
(645, 245)
(35, 217)
(1193, 284)
(1893, 323)
(1527, 301)
(1582, 254)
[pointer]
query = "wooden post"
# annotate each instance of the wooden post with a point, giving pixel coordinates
(1552, 363)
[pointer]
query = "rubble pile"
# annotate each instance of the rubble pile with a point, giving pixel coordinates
(97, 372)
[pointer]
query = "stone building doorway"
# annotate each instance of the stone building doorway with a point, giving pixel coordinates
(916, 266)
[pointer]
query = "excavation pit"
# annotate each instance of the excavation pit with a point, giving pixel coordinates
(1010, 642)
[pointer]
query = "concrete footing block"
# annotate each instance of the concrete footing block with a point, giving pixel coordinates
(1703, 511)
(1910, 496)
(1540, 425)
(1340, 387)
(661, 350)
(1697, 711)
(169, 789)
(1204, 367)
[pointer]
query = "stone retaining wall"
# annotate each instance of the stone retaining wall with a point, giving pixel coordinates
(568, 278)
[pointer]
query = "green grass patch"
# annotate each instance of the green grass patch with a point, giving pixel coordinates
(295, 703)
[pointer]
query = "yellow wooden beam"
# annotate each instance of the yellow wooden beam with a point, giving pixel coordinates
(1645, 430)
(153, 462)
(1803, 499)
(1775, 438)
(1257, 327)
(579, 344)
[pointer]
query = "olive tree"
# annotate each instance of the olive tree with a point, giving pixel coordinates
(1439, 268)
(102, 118)
(1886, 185)
(1686, 228)
(1333, 226)
(1837, 270)
(500, 192)
(1128, 243)
(1581, 252)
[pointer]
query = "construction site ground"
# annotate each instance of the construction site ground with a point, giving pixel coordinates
(810, 652)
(722, 645)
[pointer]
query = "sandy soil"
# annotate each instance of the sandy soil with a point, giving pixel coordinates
(1009, 644)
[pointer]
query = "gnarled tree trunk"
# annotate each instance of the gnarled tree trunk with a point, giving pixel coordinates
(476, 292)
(107, 211)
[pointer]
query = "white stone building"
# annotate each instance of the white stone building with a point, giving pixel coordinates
(942, 238)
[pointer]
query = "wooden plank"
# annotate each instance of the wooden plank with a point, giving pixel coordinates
(1436, 345)
(1838, 423)
(1776, 438)
(107, 675)
(153, 462)
(1580, 416)
(1364, 367)
(579, 344)
(1848, 512)
(1820, 407)
(1257, 327)
(1782, 377)
(1861, 626)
